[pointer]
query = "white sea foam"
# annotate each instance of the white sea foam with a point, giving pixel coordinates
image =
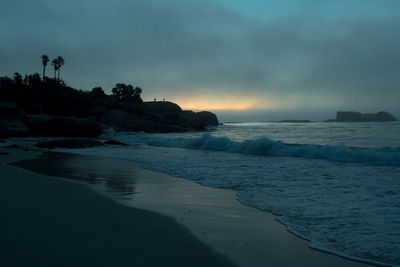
(264, 146)
(345, 200)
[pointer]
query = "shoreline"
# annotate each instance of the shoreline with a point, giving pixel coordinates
(47, 221)
(249, 237)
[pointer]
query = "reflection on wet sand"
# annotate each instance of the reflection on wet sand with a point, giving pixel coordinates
(88, 169)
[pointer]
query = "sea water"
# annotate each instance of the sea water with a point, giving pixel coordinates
(334, 184)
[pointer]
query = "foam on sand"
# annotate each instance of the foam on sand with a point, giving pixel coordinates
(248, 236)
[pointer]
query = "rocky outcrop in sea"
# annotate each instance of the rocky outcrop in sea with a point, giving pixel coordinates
(353, 116)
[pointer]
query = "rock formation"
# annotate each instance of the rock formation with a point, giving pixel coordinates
(46, 125)
(51, 108)
(160, 117)
(353, 116)
(157, 117)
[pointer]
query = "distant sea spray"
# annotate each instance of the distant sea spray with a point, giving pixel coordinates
(378, 156)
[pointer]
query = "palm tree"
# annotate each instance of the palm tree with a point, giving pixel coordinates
(45, 60)
(60, 63)
(56, 66)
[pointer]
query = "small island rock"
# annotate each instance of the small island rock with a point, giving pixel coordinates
(353, 116)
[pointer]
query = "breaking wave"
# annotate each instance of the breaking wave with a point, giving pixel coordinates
(385, 156)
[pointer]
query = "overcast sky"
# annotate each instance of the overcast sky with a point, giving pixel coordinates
(276, 59)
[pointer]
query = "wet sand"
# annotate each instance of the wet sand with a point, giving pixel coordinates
(52, 222)
(247, 236)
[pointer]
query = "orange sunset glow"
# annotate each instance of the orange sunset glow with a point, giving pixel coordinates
(237, 102)
(218, 103)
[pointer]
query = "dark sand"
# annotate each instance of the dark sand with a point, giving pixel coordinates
(247, 236)
(51, 222)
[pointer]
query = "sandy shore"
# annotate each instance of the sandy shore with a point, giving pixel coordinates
(52, 222)
(246, 236)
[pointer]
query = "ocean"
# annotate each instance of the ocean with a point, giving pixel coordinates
(334, 184)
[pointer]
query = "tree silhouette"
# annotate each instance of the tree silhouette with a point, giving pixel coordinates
(18, 78)
(97, 92)
(32, 79)
(55, 64)
(60, 64)
(123, 92)
(45, 60)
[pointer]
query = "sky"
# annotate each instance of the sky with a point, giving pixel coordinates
(245, 60)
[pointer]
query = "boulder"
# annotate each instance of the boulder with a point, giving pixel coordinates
(162, 117)
(198, 120)
(45, 125)
(13, 128)
(125, 121)
(163, 108)
(167, 128)
(131, 107)
(187, 118)
(207, 118)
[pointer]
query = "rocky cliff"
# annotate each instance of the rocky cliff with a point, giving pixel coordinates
(160, 117)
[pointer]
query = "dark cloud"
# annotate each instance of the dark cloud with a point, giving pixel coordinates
(305, 58)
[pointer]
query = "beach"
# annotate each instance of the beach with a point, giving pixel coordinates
(199, 133)
(53, 222)
(174, 222)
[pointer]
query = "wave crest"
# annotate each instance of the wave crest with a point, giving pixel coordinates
(265, 146)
